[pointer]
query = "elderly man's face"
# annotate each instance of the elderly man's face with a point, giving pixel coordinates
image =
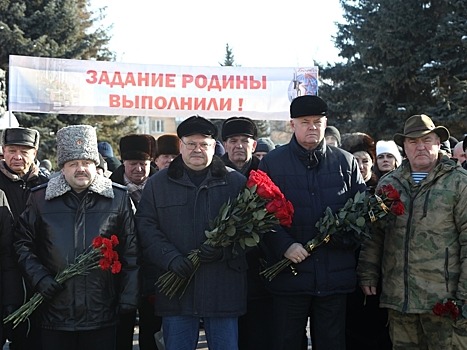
(163, 160)
(309, 130)
(197, 151)
(240, 148)
(422, 152)
(137, 171)
(19, 158)
(79, 174)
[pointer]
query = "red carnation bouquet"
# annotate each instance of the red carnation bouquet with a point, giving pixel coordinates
(240, 223)
(455, 309)
(100, 254)
(350, 223)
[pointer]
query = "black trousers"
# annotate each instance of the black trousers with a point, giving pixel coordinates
(327, 321)
(149, 324)
(125, 330)
(100, 339)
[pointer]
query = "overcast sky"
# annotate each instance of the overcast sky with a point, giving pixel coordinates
(274, 33)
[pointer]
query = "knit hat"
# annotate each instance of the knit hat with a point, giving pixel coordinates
(138, 147)
(359, 141)
(389, 147)
(21, 137)
(418, 126)
(167, 144)
(77, 142)
(196, 125)
(239, 126)
(308, 105)
(333, 131)
(105, 149)
(264, 144)
(464, 143)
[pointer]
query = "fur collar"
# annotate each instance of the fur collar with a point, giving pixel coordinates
(176, 168)
(57, 186)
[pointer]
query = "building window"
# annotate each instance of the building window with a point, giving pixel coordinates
(156, 126)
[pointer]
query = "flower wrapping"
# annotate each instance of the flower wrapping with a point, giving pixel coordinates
(100, 254)
(350, 224)
(240, 224)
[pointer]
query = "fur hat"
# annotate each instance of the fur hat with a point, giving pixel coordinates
(389, 147)
(76, 142)
(264, 144)
(307, 105)
(105, 149)
(359, 141)
(167, 144)
(239, 126)
(333, 131)
(138, 147)
(21, 137)
(196, 125)
(418, 126)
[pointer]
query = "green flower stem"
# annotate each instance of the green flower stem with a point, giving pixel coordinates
(84, 262)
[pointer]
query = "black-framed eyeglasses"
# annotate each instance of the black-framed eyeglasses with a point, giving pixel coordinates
(194, 145)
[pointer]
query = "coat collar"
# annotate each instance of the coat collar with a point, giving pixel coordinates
(57, 186)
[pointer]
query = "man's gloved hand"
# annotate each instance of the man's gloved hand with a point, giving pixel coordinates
(182, 266)
(125, 309)
(208, 253)
(48, 287)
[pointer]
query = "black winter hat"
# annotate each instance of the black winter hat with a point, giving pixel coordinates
(21, 137)
(239, 126)
(137, 147)
(196, 125)
(307, 105)
(167, 144)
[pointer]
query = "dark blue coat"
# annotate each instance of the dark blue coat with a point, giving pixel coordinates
(171, 219)
(329, 179)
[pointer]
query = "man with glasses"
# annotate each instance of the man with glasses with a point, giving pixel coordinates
(176, 208)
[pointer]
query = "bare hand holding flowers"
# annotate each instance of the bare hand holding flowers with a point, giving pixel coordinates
(350, 223)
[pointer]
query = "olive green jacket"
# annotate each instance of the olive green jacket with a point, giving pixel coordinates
(421, 255)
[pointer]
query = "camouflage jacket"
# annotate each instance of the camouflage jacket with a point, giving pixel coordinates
(421, 255)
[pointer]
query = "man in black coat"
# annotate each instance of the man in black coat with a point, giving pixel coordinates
(61, 221)
(18, 174)
(137, 152)
(313, 176)
(239, 136)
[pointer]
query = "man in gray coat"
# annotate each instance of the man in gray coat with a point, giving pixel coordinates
(177, 206)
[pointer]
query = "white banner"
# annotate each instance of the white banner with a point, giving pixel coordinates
(52, 85)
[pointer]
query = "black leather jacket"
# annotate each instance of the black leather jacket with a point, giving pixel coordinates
(55, 228)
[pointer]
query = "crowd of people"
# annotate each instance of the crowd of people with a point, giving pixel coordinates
(156, 201)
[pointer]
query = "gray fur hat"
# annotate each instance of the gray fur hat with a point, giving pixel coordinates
(77, 142)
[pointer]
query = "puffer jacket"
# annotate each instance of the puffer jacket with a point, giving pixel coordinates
(171, 218)
(55, 228)
(312, 181)
(422, 254)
